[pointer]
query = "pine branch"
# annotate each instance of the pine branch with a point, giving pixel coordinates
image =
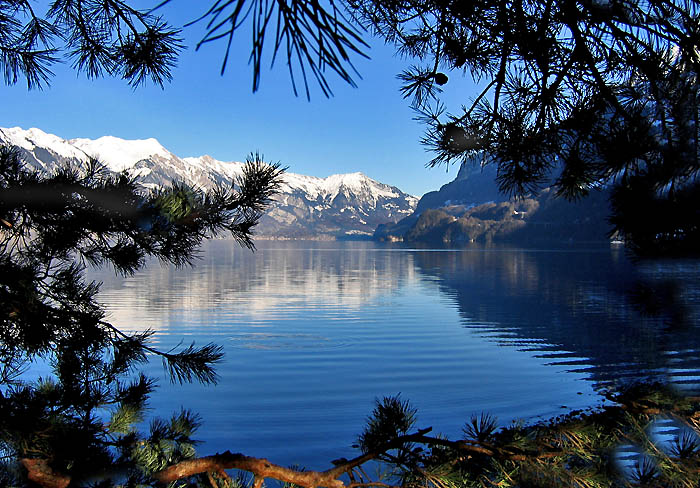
(193, 363)
(262, 468)
(39, 471)
(184, 366)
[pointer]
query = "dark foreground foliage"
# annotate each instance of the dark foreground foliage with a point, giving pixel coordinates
(649, 436)
(646, 436)
(617, 445)
(80, 417)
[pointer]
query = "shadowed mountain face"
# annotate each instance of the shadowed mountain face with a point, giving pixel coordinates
(338, 206)
(471, 209)
(474, 184)
(594, 312)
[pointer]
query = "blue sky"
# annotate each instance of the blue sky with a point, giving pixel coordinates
(368, 129)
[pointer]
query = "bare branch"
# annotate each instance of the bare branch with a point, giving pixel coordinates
(261, 468)
(39, 471)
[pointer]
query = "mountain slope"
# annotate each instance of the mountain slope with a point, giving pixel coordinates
(470, 208)
(473, 185)
(337, 206)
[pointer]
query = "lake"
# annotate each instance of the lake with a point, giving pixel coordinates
(314, 331)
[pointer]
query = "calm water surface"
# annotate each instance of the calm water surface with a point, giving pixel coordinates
(313, 332)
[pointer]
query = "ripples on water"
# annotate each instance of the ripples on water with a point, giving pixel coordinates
(313, 332)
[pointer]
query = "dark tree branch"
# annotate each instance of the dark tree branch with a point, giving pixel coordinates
(262, 468)
(39, 472)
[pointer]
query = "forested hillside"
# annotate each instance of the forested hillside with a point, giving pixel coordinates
(534, 219)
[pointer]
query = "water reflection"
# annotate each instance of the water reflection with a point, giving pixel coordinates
(270, 283)
(594, 311)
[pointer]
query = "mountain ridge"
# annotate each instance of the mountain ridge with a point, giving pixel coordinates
(337, 206)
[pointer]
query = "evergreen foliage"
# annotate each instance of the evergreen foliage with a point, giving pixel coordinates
(606, 91)
(316, 37)
(596, 77)
(592, 93)
(391, 418)
(99, 37)
(613, 446)
(81, 419)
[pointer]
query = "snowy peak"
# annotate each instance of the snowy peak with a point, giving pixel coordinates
(350, 184)
(231, 169)
(36, 138)
(306, 207)
(115, 153)
(359, 182)
(120, 154)
(315, 188)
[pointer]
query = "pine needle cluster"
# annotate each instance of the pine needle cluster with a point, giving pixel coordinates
(99, 37)
(614, 446)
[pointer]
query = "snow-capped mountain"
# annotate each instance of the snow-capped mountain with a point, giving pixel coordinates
(307, 206)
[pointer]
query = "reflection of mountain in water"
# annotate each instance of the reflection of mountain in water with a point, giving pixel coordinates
(581, 309)
(272, 281)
